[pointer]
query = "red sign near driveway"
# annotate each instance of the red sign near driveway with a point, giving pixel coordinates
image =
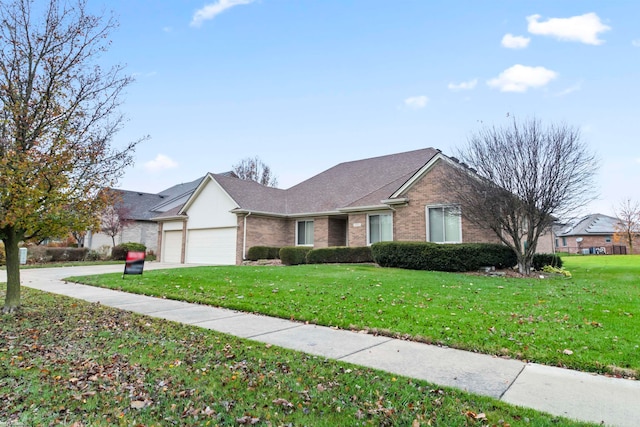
(134, 263)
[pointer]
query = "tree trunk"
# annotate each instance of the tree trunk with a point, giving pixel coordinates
(525, 263)
(11, 240)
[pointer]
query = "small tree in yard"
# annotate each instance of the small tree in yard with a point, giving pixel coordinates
(254, 169)
(115, 217)
(518, 179)
(628, 227)
(58, 114)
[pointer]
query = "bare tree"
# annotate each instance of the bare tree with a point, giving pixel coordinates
(518, 179)
(115, 217)
(58, 114)
(254, 169)
(628, 227)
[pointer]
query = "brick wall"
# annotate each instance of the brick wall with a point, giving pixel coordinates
(357, 229)
(433, 189)
(264, 231)
(321, 232)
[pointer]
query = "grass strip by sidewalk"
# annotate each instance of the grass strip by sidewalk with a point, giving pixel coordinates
(69, 362)
(588, 322)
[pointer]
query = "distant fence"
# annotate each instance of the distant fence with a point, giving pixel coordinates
(594, 250)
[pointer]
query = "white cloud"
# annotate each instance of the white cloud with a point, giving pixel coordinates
(584, 28)
(468, 85)
(519, 78)
(636, 42)
(160, 163)
(515, 42)
(210, 11)
(416, 102)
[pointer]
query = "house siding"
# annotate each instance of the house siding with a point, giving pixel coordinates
(145, 232)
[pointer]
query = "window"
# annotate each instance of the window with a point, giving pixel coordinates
(607, 239)
(304, 233)
(444, 224)
(380, 228)
(564, 241)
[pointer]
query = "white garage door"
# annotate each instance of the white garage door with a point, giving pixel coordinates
(172, 246)
(212, 246)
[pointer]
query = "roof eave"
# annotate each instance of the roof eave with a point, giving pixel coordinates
(396, 201)
(365, 208)
(170, 218)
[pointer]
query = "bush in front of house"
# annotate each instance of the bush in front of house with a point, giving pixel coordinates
(442, 257)
(263, 252)
(44, 254)
(294, 255)
(542, 260)
(408, 255)
(493, 255)
(340, 254)
(119, 252)
(93, 256)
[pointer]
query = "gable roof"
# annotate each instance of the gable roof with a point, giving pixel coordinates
(595, 224)
(358, 183)
(363, 184)
(146, 206)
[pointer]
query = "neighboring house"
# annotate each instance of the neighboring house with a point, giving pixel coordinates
(592, 234)
(140, 209)
(402, 196)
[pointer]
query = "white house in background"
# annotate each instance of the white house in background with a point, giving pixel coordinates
(141, 207)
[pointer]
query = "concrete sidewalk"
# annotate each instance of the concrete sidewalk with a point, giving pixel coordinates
(572, 394)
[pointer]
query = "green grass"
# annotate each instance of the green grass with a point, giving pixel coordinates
(588, 322)
(68, 362)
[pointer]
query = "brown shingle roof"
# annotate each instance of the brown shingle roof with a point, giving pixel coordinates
(358, 183)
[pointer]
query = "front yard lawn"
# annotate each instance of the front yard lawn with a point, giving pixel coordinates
(589, 322)
(68, 362)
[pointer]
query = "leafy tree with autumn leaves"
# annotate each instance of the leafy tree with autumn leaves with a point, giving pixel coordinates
(58, 114)
(628, 228)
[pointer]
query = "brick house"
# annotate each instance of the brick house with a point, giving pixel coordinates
(592, 234)
(402, 196)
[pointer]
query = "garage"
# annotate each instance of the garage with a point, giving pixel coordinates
(212, 246)
(172, 246)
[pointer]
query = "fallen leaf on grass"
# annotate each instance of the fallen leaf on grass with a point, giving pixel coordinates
(248, 420)
(567, 352)
(283, 402)
(475, 416)
(139, 404)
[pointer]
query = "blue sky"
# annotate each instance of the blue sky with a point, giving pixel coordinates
(307, 84)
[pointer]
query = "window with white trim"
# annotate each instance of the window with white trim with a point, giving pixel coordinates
(444, 224)
(379, 228)
(304, 233)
